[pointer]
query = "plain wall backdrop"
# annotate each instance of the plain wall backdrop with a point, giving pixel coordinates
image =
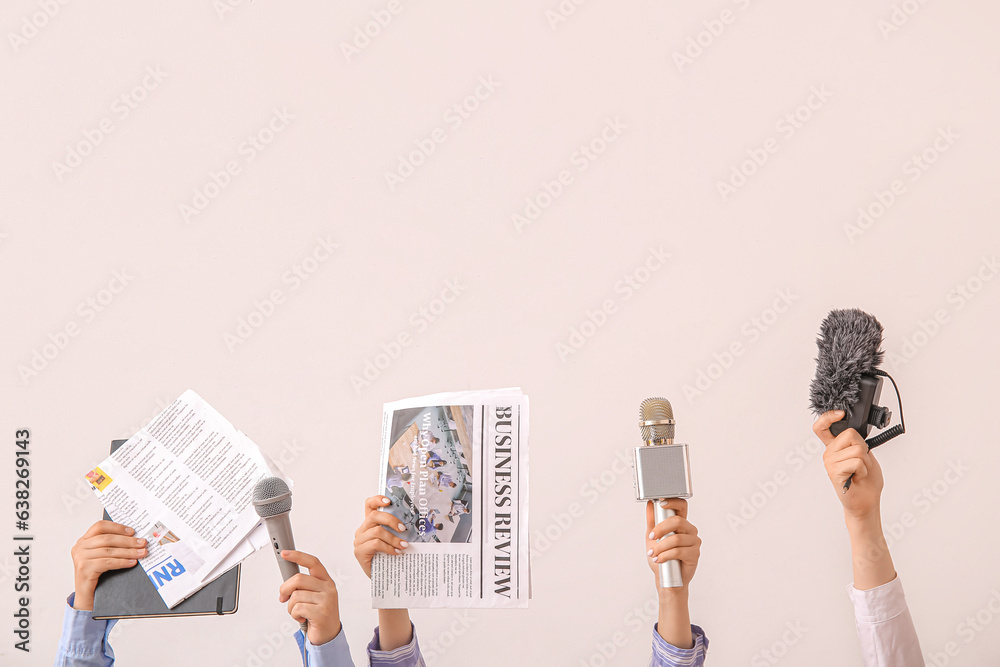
(719, 154)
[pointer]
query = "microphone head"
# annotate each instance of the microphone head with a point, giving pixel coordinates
(271, 497)
(849, 346)
(656, 410)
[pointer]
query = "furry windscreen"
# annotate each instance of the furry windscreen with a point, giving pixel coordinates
(849, 345)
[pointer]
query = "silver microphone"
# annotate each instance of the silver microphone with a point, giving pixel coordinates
(662, 471)
(272, 499)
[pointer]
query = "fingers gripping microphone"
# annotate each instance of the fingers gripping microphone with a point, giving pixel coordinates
(272, 500)
(848, 377)
(662, 471)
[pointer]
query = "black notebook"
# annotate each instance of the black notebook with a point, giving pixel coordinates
(130, 594)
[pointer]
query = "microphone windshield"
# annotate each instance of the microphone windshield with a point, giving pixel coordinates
(656, 410)
(849, 346)
(271, 497)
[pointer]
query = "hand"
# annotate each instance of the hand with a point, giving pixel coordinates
(684, 545)
(847, 454)
(105, 546)
(674, 618)
(312, 597)
(372, 536)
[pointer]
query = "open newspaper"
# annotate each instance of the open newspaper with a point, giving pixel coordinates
(455, 468)
(184, 482)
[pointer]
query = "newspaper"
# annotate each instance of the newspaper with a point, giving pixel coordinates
(184, 482)
(455, 468)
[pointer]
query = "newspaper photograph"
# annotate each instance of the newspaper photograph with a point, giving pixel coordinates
(184, 483)
(455, 469)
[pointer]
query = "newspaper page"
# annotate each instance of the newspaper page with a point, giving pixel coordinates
(455, 468)
(184, 482)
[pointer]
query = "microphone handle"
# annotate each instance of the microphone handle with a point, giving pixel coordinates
(279, 528)
(670, 571)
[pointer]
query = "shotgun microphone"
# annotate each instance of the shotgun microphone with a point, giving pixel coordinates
(848, 378)
(662, 471)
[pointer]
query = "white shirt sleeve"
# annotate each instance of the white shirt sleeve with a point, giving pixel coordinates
(885, 628)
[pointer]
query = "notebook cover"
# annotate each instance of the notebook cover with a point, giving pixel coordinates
(130, 594)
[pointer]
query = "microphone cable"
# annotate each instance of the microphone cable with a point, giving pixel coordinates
(890, 433)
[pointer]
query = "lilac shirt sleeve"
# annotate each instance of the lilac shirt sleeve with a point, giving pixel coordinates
(334, 653)
(668, 655)
(885, 628)
(404, 656)
(84, 641)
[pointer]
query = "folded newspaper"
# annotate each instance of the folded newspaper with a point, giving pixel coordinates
(455, 468)
(184, 482)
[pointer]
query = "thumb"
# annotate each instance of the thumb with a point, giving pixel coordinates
(821, 427)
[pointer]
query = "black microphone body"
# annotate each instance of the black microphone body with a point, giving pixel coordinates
(848, 378)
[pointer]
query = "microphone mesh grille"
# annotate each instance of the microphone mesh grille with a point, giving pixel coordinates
(655, 409)
(272, 487)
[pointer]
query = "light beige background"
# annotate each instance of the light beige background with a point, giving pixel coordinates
(522, 291)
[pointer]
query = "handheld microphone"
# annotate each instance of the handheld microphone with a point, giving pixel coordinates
(848, 378)
(662, 471)
(272, 499)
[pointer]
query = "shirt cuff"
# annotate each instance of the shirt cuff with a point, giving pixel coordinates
(404, 656)
(668, 655)
(82, 636)
(334, 653)
(879, 604)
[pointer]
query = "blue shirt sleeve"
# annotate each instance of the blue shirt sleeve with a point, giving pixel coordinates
(84, 641)
(404, 656)
(334, 653)
(668, 655)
